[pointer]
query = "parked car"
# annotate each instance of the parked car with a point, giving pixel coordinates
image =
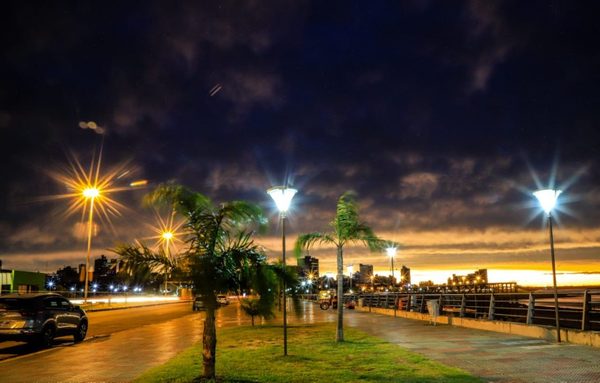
(222, 299)
(40, 317)
(198, 303)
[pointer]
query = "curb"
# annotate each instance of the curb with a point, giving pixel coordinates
(91, 309)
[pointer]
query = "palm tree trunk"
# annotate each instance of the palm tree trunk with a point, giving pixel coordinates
(209, 344)
(340, 295)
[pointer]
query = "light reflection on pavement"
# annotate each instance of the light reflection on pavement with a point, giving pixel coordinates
(124, 355)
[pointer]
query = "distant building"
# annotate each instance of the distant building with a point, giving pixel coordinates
(309, 266)
(365, 272)
(101, 267)
(404, 276)
(479, 277)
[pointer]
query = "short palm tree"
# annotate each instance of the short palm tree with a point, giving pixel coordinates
(347, 228)
(222, 255)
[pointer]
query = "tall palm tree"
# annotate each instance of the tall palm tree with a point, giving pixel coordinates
(347, 228)
(222, 255)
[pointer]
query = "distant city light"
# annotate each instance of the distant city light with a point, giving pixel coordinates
(139, 183)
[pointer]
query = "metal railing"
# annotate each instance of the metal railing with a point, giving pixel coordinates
(577, 310)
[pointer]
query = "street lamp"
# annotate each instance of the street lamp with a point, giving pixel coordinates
(391, 252)
(282, 195)
(547, 199)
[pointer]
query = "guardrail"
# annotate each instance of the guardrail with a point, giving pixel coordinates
(577, 310)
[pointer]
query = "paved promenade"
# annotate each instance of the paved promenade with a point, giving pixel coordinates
(495, 357)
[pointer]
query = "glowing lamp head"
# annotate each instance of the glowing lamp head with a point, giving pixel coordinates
(91, 192)
(167, 235)
(547, 198)
(282, 197)
(391, 251)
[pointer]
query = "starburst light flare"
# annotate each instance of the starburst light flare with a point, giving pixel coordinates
(89, 192)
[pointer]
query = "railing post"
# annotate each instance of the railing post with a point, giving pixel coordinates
(408, 302)
(440, 301)
(530, 309)
(492, 308)
(585, 312)
(463, 305)
(422, 303)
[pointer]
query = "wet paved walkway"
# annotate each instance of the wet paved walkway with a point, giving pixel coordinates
(495, 357)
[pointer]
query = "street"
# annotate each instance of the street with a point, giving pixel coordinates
(121, 344)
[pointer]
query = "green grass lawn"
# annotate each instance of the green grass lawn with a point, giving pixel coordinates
(255, 354)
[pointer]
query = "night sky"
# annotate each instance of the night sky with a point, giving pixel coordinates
(440, 115)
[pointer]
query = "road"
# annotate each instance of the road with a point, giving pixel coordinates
(122, 344)
(104, 323)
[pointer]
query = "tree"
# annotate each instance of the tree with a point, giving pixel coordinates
(346, 228)
(140, 265)
(221, 256)
(252, 307)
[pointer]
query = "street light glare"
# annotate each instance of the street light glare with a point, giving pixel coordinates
(282, 196)
(391, 251)
(91, 192)
(547, 198)
(167, 235)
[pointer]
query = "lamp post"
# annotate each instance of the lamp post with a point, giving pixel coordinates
(391, 252)
(90, 193)
(167, 236)
(282, 195)
(547, 199)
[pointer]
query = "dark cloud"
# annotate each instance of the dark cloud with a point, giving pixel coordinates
(432, 111)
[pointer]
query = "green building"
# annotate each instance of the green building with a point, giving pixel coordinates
(15, 281)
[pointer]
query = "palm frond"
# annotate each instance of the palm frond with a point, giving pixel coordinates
(346, 217)
(136, 256)
(364, 234)
(179, 197)
(242, 213)
(306, 241)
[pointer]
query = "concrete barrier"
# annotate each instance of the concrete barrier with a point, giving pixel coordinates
(587, 338)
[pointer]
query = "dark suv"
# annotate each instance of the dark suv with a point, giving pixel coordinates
(40, 318)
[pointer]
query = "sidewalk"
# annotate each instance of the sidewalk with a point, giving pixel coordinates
(495, 357)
